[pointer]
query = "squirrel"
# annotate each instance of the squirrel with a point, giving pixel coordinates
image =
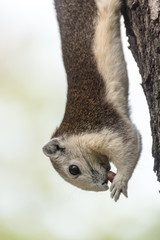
(96, 128)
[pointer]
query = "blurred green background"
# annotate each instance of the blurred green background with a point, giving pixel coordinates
(35, 202)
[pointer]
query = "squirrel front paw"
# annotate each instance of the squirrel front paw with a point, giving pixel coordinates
(118, 186)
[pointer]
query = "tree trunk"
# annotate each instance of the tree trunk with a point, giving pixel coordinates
(142, 20)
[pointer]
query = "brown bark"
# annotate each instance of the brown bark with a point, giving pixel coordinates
(142, 20)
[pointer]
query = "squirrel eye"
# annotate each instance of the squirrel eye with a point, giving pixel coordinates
(74, 170)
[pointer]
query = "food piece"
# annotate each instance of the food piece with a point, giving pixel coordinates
(110, 175)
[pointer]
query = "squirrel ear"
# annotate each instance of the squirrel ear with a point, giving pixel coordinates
(53, 148)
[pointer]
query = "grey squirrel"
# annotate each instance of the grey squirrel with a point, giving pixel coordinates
(96, 128)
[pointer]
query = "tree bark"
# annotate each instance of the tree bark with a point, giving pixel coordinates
(142, 21)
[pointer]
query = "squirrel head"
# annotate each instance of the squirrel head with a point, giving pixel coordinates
(77, 163)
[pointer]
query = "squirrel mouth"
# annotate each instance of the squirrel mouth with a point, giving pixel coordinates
(105, 182)
(106, 167)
